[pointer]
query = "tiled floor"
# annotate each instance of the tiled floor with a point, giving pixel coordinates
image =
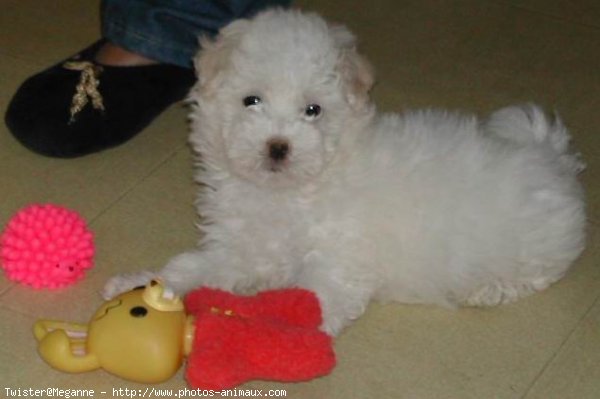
(470, 54)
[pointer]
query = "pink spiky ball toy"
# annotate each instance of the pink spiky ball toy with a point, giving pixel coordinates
(46, 246)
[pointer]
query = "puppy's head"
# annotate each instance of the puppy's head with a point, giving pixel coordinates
(277, 96)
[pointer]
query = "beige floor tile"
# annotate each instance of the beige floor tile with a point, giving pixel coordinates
(5, 285)
(575, 370)
(585, 12)
(107, 385)
(21, 367)
(425, 56)
(565, 74)
(45, 34)
(591, 181)
(151, 223)
(75, 303)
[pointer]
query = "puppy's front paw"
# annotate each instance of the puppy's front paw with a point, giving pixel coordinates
(339, 311)
(125, 282)
(334, 324)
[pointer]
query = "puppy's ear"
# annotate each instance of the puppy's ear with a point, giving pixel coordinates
(213, 57)
(356, 72)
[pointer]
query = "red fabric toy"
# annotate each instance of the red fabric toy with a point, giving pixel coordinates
(271, 336)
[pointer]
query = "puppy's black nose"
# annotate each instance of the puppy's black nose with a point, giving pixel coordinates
(278, 149)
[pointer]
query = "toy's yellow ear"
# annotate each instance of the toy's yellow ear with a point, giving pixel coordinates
(62, 345)
(157, 298)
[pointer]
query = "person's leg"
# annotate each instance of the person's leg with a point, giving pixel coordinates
(167, 30)
(115, 55)
(110, 91)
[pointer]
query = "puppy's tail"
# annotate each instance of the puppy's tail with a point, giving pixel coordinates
(529, 125)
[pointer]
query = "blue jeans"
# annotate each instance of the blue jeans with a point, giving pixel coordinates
(168, 30)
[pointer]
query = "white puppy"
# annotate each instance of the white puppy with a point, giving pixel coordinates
(303, 184)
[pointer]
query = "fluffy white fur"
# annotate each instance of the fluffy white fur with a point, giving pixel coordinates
(421, 207)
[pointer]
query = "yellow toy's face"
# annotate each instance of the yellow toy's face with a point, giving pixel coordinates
(138, 336)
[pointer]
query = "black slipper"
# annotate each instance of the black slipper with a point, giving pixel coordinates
(78, 106)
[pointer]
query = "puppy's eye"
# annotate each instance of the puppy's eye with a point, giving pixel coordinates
(312, 111)
(252, 100)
